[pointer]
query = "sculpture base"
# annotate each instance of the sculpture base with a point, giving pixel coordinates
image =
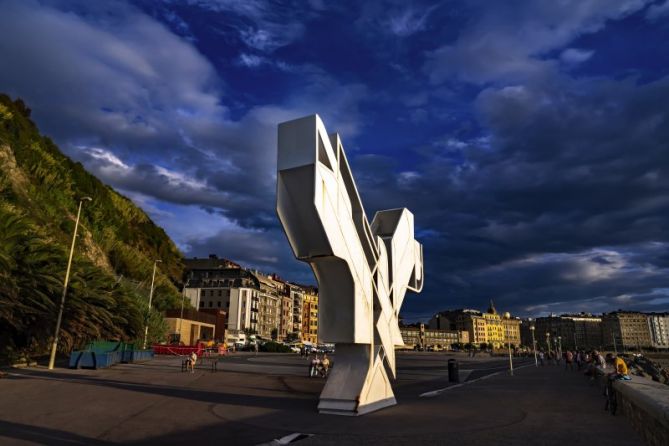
(351, 408)
(353, 387)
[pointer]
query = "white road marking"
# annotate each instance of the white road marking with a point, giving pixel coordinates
(287, 439)
(434, 393)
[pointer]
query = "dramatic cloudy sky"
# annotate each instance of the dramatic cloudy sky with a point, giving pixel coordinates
(530, 138)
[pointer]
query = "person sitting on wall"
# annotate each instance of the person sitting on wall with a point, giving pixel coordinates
(620, 370)
(192, 360)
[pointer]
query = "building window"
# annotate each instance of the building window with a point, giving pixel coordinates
(219, 304)
(220, 293)
(201, 304)
(211, 303)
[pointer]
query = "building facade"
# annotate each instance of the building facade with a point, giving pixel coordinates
(297, 294)
(420, 336)
(626, 330)
(310, 316)
(582, 331)
(210, 285)
(191, 327)
(255, 303)
(658, 326)
(482, 328)
(269, 308)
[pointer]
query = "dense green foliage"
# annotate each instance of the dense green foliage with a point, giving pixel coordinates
(40, 190)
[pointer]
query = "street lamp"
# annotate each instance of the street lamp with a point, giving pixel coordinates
(54, 346)
(534, 346)
(153, 280)
(183, 298)
(548, 342)
(507, 332)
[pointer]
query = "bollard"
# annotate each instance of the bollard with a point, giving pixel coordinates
(453, 372)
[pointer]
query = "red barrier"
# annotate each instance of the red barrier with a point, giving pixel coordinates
(177, 350)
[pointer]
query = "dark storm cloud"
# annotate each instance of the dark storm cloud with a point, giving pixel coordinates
(109, 78)
(533, 182)
(569, 166)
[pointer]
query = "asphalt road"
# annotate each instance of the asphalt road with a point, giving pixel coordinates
(258, 399)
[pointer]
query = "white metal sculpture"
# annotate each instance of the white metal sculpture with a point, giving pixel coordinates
(363, 271)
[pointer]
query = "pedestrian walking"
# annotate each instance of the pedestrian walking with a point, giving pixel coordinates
(569, 360)
(313, 365)
(325, 366)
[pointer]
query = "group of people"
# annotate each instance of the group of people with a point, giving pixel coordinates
(593, 363)
(319, 367)
(548, 357)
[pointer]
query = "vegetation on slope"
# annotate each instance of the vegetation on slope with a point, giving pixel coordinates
(40, 190)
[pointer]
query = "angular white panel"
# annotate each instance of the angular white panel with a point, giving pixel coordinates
(363, 271)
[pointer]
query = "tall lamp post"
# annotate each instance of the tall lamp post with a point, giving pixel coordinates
(548, 341)
(534, 346)
(148, 314)
(183, 298)
(507, 331)
(54, 346)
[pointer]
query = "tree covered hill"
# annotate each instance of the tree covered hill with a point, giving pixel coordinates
(40, 189)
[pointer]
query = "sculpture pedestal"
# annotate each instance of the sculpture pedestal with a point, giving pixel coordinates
(353, 387)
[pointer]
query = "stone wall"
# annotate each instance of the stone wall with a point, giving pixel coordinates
(646, 404)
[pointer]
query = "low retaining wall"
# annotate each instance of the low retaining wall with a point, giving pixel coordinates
(96, 359)
(646, 404)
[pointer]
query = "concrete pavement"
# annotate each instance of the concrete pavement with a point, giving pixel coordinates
(254, 400)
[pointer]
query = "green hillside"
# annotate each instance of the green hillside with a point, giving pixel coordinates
(117, 244)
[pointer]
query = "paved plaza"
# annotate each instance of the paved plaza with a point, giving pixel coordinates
(257, 399)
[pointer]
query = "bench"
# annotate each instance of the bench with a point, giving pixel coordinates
(207, 362)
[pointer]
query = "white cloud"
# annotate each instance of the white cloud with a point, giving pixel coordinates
(409, 21)
(509, 44)
(575, 55)
(251, 60)
(263, 27)
(657, 11)
(120, 77)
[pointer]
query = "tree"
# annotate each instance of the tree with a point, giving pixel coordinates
(292, 337)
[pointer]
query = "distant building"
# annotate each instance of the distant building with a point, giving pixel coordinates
(420, 336)
(625, 330)
(269, 312)
(489, 327)
(310, 316)
(658, 325)
(582, 331)
(221, 325)
(526, 332)
(193, 326)
(235, 290)
(297, 294)
(285, 308)
(255, 303)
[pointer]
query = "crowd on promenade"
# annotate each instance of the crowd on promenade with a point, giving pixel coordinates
(592, 363)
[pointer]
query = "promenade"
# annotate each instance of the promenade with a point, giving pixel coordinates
(257, 399)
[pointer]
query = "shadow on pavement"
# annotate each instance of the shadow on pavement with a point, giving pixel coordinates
(42, 435)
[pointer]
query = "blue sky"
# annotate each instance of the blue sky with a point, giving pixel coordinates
(529, 138)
